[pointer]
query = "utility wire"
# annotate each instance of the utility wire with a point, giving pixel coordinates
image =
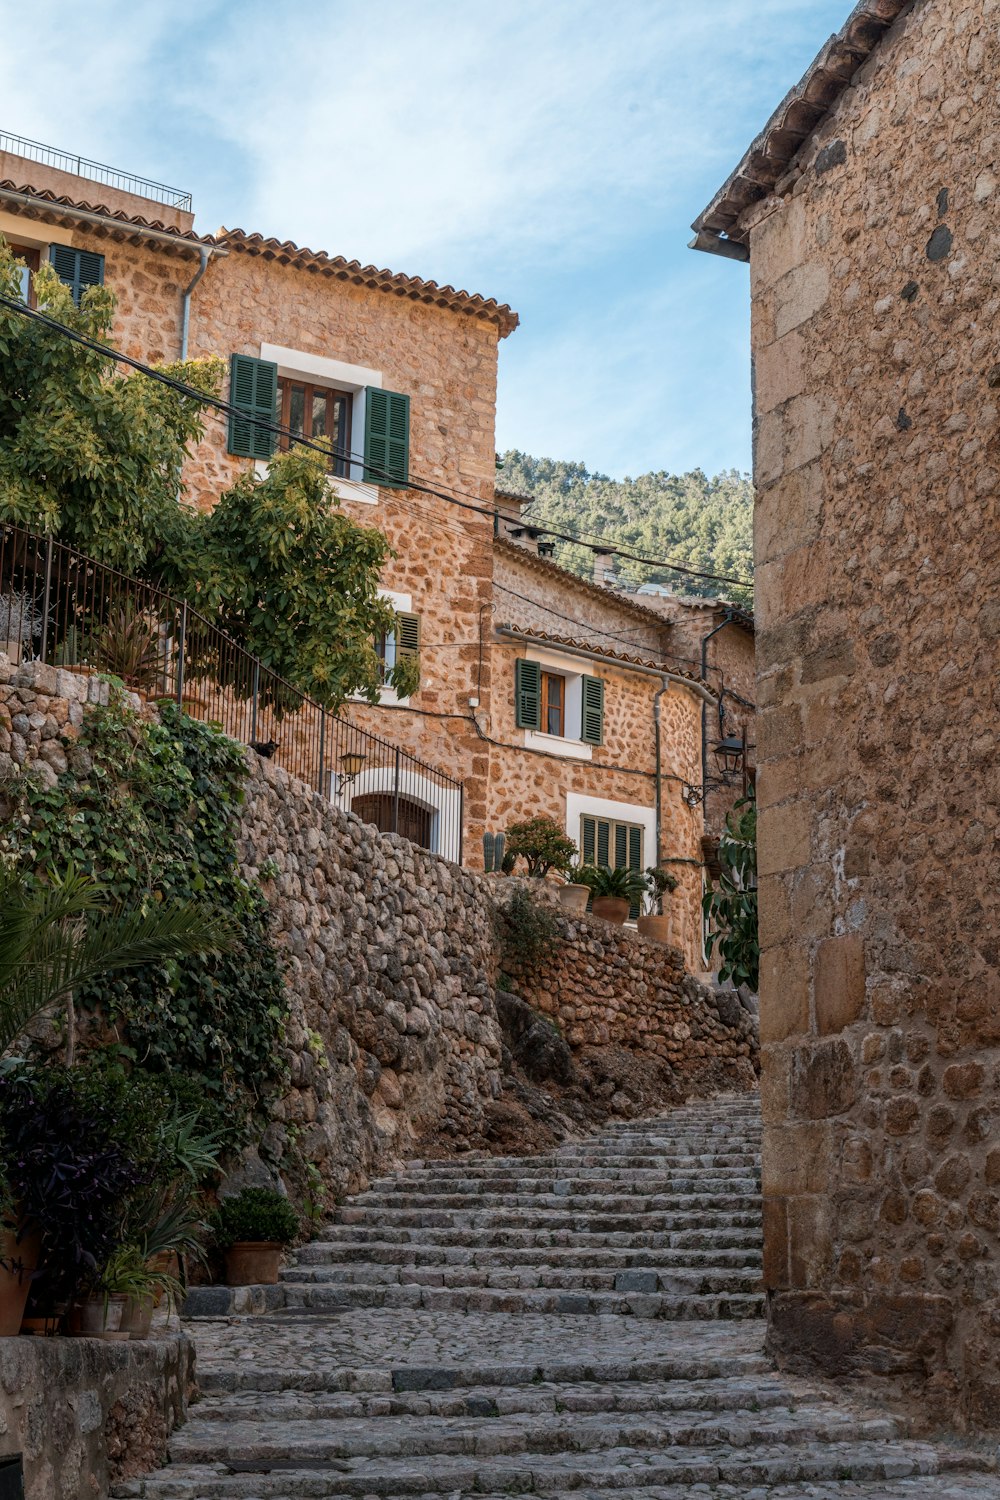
(228, 409)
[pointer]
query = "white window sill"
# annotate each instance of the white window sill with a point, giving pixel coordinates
(555, 744)
(344, 489)
(386, 695)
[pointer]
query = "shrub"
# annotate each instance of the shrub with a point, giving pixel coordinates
(528, 932)
(254, 1214)
(618, 882)
(731, 907)
(659, 883)
(541, 843)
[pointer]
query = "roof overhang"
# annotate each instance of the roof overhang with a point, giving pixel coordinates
(49, 209)
(770, 156)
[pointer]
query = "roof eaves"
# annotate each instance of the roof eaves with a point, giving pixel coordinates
(546, 566)
(768, 158)
(286, 252)
(573, 643)
(42, 203)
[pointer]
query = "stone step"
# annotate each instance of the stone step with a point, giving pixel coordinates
(679, 1281)
(685, 1305)
(746, 1394)
(614, 1470)
(625, 1216)
(700, 1235)
(303, 1444)
(560, 1190)
(584, 1179)
(380, 1252)
(685, 1366)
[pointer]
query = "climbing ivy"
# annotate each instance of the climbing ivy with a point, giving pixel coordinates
(152, 809)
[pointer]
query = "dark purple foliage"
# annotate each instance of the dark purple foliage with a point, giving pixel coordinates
(68, 1177)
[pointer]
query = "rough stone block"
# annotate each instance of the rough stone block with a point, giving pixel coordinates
(783, 838)
(796, 1159)
(838, 982)
(822, 1081)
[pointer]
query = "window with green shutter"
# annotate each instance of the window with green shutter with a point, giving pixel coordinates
(605, 841)
(387, 437)
(407, 634)
(527, 694)
(78, 269)
(592, 725)
(253, 388)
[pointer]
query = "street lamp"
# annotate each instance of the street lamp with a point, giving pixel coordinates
(351, 765)
(729, 755)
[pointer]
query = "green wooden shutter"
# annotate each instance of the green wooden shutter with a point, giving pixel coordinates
(603, 843)
(407, 635)
(621, 846)
(387, 437)
(78, 269)
(592, 727)
(635, 863)
(588, 839)
(527, 694)
(253, 388)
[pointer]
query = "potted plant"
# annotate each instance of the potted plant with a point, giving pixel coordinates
(130, 1276)
(543, 846)
(20, 620)
(615, 891)
(252, 1228)
(653, 923)
(19, 1245)
(128, 645)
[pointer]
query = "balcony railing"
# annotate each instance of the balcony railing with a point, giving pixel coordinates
(80, 166)
(64, 609)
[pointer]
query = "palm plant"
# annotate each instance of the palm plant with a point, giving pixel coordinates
(55, 937)
(619, 882)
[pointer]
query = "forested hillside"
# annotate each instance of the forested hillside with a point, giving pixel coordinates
(698, 522)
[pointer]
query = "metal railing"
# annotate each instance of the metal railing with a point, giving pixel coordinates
(80, 166)
(63, 609)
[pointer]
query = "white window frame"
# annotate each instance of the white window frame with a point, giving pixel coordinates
(443, 803)
(316, 369)
(578, 805)
(573, 671)
(402, 604)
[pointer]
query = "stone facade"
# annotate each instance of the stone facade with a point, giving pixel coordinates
(876, 312)
(84, 1413)
(301, 309)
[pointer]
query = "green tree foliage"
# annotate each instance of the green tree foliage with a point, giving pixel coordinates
(731, 907)
(95, 458)
(703, 523)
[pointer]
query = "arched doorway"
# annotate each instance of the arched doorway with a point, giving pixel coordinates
(405, 817)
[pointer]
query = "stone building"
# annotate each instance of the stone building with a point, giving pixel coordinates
(401, 375)
(867, 209)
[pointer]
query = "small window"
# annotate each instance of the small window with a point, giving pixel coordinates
(553, 703)
(27, 271)
(316, 411)
(404, 640)
(608, 842)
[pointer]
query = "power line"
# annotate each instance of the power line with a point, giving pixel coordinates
(226, 408)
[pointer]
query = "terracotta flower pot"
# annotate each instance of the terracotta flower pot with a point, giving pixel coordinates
(15, 1277)
(137, 1317)
(658, 928)
(613, 909)
(253, 1263)
(574, 898)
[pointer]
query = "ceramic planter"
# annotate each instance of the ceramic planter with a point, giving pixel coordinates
(137, 1316)
(253, 1263)
(613, 909)
(574, 898)
(15, 1278)
(100, 1317)
(658, 928)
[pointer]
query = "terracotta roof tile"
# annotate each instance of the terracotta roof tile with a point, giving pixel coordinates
(288, 253)
(55, 206)
(547, 568)
(769, 157)
(576, 644)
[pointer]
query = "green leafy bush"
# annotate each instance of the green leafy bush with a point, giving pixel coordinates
(254, 1214)
(154, 817)
(542, 844)
(731, 907)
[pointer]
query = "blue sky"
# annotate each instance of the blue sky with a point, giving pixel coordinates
(551, 153)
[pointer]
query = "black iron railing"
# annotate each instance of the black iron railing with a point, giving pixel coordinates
(80, 166)
(66, 610)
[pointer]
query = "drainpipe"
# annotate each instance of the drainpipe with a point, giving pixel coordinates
(728, 619)
(663, 688)
(205, 256)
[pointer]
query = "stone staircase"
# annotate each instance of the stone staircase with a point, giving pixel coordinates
(587, 1322)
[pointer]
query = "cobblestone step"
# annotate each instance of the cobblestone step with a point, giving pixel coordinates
(585, 1324)
(378, 1252)
(641, 1302)
(684, 1280)
(623, 1470)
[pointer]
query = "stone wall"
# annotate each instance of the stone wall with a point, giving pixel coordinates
(876, 310)
(607, 985)
(85, 1413)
